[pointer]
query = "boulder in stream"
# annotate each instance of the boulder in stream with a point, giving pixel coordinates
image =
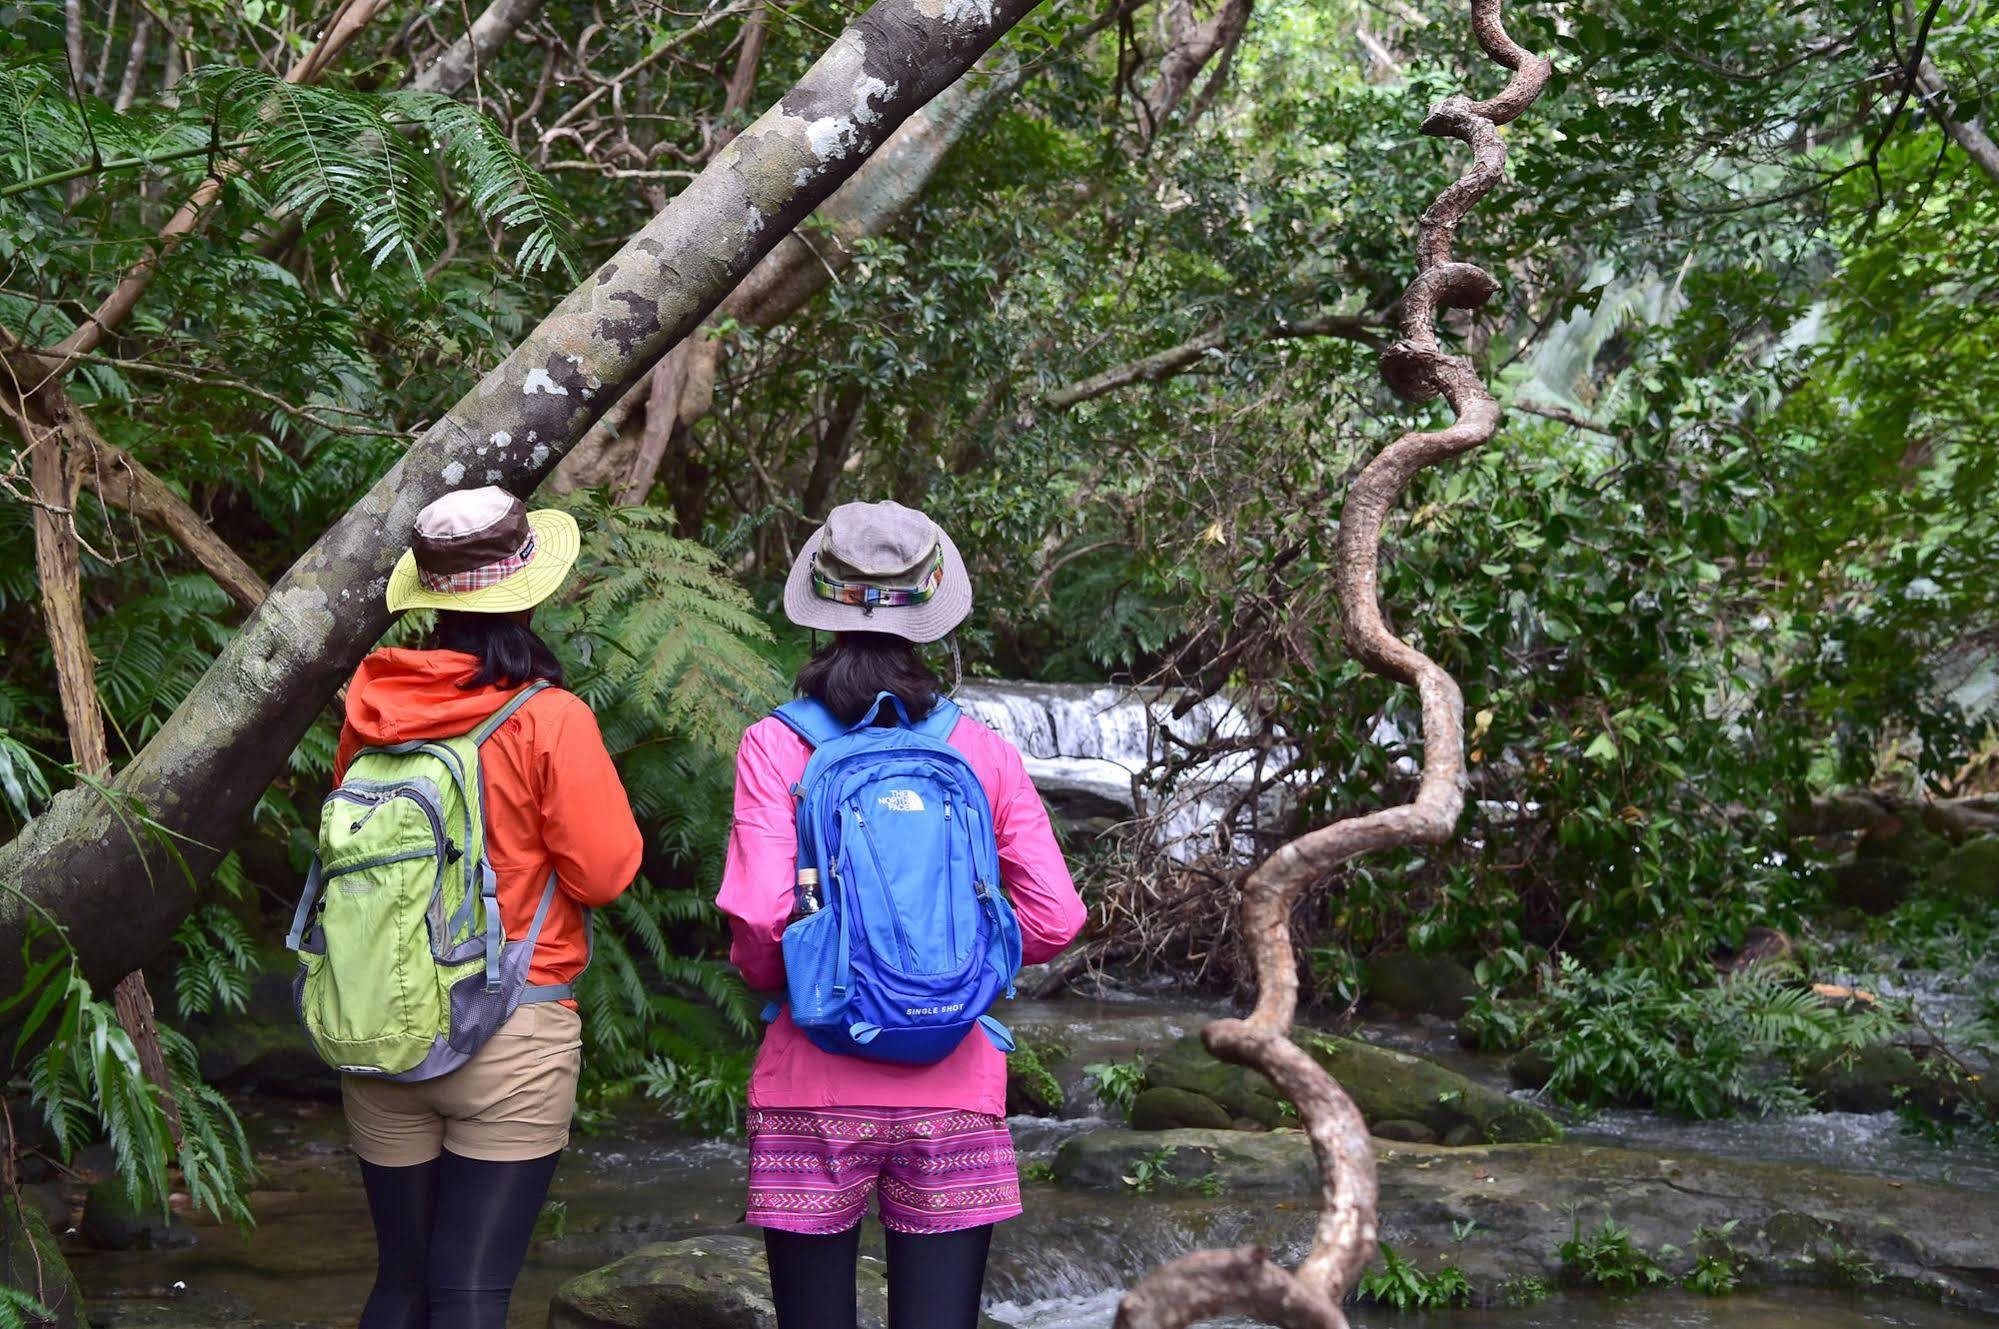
(1794, 1223)
(1385, 1084)
(1188, 1086)
(1207, 1091)
(1031, 1088)
(111, 1222)
(1971, 871)
(262, 1049)
(1165, 1108)
(1420, 984)
(1885, 1076)
(712, 1282)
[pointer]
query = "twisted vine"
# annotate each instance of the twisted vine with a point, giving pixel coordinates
(1246, 1279)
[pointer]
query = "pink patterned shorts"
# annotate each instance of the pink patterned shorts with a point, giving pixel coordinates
(813, 1169)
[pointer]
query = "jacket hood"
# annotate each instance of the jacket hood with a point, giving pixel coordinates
(401, 694)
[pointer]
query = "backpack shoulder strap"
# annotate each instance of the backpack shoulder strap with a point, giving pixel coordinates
(810, 720)
(943, 718)
(513, 703)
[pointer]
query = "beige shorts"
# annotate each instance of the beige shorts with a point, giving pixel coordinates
(510, 1103)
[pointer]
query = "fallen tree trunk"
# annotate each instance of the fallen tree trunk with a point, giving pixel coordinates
(113, 881)
(1863, 809)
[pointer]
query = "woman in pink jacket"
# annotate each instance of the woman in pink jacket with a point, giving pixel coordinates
(828, 1131)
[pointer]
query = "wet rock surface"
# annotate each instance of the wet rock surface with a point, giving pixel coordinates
(1420, 984)
(262, 1049)
(112, 1222)
(1410, 1097)
(711, 1282)
(1794, 1224)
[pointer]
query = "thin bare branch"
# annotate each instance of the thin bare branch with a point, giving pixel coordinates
(1179, 359)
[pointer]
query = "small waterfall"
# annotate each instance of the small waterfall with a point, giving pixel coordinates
(1100, 755)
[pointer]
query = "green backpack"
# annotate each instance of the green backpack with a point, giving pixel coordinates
(405, 970)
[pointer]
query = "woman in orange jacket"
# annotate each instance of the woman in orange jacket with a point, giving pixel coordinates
(457, 1168)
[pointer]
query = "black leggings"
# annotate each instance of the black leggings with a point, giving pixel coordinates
(450, 1237)
(934, 1280)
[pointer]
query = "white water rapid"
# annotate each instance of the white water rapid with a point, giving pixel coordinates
(1103, 754)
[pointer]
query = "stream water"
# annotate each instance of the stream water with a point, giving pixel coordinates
(1061, 1266)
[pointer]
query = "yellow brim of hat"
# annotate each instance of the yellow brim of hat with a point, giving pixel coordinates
(556, 541)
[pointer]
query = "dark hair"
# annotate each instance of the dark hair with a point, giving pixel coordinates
(509, 652)
(847, 674)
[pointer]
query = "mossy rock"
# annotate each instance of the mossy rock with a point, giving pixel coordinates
(1187, 1065)
(1166, 1108)
(1898, 840)
(1420, 984)
(1407, 1132)
(1872, 886)
(1031, 1089)
(111, 1222)
(1384, 1084)
(1885, 1076)
(719, 1282)
(712, 1282)
(1387, 1085)
(31, 1262)
(1530, 1068)
(1971, 871)
(1242, 1162)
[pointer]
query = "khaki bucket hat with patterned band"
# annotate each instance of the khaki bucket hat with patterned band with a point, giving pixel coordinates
(481, 551)
(879, 567)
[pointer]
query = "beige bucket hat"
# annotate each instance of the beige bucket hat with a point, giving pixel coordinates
(879, 567)
(481, 551)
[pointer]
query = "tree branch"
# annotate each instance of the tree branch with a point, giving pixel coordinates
(123, 482)
(1968, 134)
(1179, 359)
(1565, 416)
(495, 26)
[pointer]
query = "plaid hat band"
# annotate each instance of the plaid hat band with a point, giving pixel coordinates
(869, 596)
(475, 579)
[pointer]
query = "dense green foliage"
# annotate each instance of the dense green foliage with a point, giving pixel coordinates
(1609, 1258)
(1637, 1037)
(1735, 546)
(1403, 1286)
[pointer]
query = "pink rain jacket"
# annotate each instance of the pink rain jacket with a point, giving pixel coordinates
(757, 896)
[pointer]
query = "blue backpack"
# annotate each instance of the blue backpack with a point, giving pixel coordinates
(912, 941)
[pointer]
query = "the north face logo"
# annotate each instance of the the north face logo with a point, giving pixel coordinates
(901, 800)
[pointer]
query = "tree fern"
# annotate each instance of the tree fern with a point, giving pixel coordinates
(669, 644)
(218, 961)
(369, 158)
(19, 1310)
(87, 1083)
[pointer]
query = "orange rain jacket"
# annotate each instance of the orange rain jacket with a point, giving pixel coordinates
(553, 799)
